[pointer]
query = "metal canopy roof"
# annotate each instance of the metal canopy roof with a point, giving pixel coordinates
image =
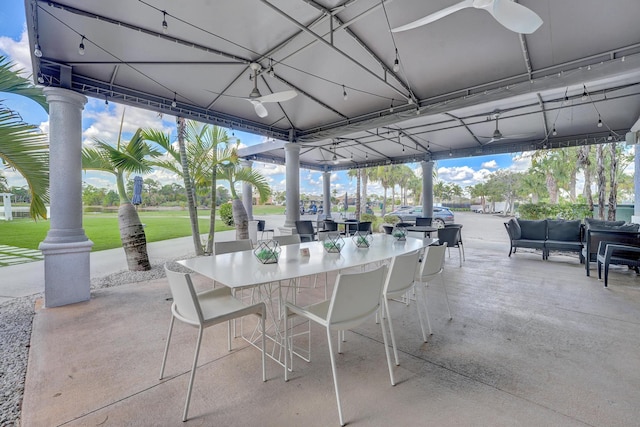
(457, 74)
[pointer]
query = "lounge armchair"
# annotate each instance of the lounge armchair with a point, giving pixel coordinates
(612, 253)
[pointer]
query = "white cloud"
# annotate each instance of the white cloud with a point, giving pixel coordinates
(267, 169)
(491, 164)
(18, 51)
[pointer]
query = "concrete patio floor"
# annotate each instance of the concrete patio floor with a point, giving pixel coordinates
(531, 343)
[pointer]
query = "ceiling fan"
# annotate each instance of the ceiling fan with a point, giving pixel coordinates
(256, 98)
(497, 135)
(511, 15)
(335, 160)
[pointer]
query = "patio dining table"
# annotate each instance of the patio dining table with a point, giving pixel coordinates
(242, 270)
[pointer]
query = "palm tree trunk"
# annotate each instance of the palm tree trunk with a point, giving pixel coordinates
(358, 200)
(188, 186)
(241, 219)
(212, 214)
(365, 180)
(613, 190)
(602, 184)
(133, 238)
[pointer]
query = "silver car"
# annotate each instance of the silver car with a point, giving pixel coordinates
(441, 215)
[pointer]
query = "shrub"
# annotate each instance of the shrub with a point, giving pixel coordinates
(226, 214)
(391, 219)
(561, 210)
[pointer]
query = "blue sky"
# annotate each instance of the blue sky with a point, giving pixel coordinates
(102, 121)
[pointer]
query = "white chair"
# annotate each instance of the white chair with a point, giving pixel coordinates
(400, 281)
(432, 266)
(355, 298)
(232, 246)
(202, 310)
(289, 239)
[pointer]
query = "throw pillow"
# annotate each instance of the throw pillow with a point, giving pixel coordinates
(601, 224)
(563, 230)
(514, 229)
(533, 229)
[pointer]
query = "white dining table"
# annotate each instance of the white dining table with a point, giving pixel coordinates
(243, 269)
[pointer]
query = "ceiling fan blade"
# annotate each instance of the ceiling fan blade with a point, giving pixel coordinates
(434, 16)
(261, 111)
(278, 96)
(515, 17)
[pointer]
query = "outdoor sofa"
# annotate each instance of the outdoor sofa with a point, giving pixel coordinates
(546, 235)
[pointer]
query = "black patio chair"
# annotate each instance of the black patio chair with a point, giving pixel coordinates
(423, 221)
(305, 230)
(364, 227)
(617, 254)
(330, 225)
(261, 225)
(451, 236)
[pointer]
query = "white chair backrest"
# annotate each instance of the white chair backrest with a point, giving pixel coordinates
(287, 239)
(355, 297)
(184, 296)
(232, 246)
(432, 262)
(402, 273)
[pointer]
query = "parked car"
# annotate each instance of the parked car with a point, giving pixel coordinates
(441, 215)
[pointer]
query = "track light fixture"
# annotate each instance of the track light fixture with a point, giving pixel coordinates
(585, 94)
(344, 93)
(417, 111)
(36, 49)
(271, 72)
(610, 137)
(174, 104)
(450, 153)
(599, 121)
(40, 78)
(165, 26)
(391, 106)
(81, 46)
(554, 132)
(106, 100)
(396, 63)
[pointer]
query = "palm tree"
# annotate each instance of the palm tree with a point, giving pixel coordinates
(206, 149)
(22, 146)
(234, 174)
(123, 159)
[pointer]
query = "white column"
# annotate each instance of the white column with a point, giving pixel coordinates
(326, 194)
(247, 191)
(636, 183)
(292, 170)
(427, 189)
(66, 247)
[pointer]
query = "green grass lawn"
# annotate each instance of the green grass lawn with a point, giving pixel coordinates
(102, 228)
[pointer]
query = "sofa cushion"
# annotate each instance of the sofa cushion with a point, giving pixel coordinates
(533, 229)
(563, 230)
(514, 228)
(601, 224)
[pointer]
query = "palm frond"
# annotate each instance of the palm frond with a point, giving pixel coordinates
(12, 82)
(24, 149)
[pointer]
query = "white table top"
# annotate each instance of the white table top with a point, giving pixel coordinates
(242, 269)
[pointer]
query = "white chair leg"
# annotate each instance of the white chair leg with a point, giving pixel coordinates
(393, 337)
(193, 374)
(335, 375)
(386, 350)
(264, 332)
(426, 310)
(166, 347)
(422, 328)
(446, 296)
(286, 345)
(460, 254)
